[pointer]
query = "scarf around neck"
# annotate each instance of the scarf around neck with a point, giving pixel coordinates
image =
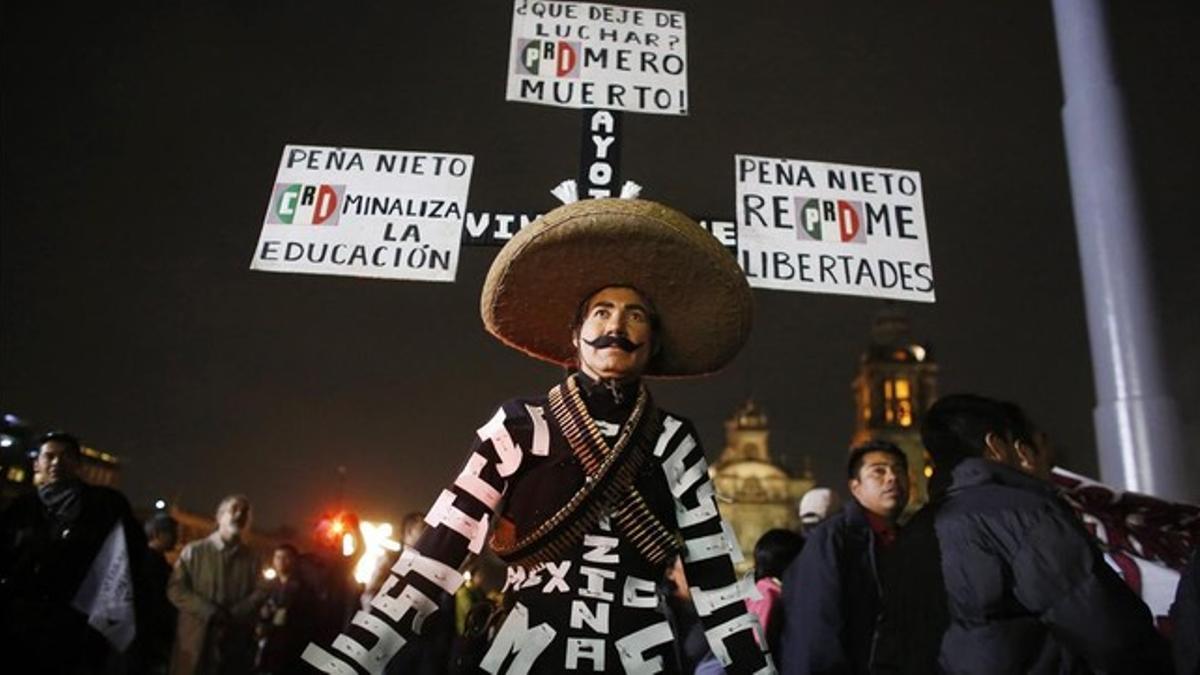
(62, 499)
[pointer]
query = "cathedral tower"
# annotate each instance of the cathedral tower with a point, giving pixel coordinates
(895, 384)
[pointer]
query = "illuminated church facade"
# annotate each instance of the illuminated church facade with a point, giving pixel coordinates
(895, 383)
(756, 494)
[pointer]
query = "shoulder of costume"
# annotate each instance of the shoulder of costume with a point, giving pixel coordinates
(516, 416)
(520, 402)
(518, 409)
(685, 424)
(680, 426)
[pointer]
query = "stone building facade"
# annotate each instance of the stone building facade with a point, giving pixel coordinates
(756, 494)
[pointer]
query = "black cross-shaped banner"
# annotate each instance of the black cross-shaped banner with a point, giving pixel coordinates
(599, 176)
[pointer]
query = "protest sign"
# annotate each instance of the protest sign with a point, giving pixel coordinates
(365, 213)
(832, 228)
(587, 55)
(600, 154)
(495, 228)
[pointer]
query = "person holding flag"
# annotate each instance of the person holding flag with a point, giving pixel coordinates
(68, 584)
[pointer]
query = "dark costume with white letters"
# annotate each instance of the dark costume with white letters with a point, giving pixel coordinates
(593, 491)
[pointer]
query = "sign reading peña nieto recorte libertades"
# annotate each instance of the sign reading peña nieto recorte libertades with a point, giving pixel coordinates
(587, 55)
(365, 213)
(832, 228)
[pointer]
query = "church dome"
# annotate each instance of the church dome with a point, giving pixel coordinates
(750, 468)
(749, 416)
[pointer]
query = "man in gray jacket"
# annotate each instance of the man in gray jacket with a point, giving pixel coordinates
(216, 587)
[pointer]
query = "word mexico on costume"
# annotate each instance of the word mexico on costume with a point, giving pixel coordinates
(832, 228)
(591, 490)
(365, 213)
(586, 55)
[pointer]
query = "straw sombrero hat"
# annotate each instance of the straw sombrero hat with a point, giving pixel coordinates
(540, 277)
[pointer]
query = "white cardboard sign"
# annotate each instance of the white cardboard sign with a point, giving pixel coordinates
(365, 213)
(588, 55)
(832, 228)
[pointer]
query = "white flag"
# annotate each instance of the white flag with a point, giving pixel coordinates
(106, 594)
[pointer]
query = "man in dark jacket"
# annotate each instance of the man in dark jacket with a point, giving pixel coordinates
(996, 574)
(49, 542)
(831, 600)
(162, 533)
(1186, 615)
(286, 620)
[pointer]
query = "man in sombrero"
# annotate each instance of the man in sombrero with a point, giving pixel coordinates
(590, 491)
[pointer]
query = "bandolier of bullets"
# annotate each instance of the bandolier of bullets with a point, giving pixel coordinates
(608, 485)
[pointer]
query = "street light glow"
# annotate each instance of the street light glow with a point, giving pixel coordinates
(377, 540)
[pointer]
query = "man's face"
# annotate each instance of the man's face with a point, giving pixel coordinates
(882, 485)
(1044, 456)
(614, 340)
(162, 541)
(55, 462)
(283, 561)
(233, 518)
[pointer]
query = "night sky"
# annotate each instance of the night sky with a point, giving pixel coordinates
(139, 147)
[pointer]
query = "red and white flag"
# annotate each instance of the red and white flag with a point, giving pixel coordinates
(1145, 539)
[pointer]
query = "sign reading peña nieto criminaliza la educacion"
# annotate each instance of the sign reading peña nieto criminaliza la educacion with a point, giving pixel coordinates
(832, 228)
(588, 55)
(365, 213)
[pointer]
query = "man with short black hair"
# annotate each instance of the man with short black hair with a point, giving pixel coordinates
(162, 533)
(831, 598)
(997, 574)
(51, 542)
(286, 619)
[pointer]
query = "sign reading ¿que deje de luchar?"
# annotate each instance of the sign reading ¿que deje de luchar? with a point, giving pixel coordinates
(587, 55)
(832, 228)
(365, 213)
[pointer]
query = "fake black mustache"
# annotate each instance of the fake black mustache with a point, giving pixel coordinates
(620, 341)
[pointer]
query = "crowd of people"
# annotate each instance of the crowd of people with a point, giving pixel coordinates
(995, 574)
(600, 508)
(209, 606)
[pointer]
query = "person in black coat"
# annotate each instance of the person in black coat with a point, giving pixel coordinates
(831, 600)
(49, 540)
(996, 574)
(287, 618)
(1185, 614)
(162, 533)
